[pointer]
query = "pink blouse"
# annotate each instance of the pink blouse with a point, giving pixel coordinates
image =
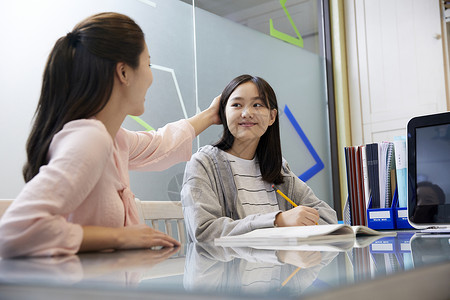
(86, 182)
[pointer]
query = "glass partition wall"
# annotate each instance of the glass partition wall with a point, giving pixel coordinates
(264, 38)
(196, 48)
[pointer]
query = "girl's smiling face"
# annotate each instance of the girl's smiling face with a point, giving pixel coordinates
(248, 116)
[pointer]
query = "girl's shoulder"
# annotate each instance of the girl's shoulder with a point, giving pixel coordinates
(285, 169)
(207, 151)
(208, 154)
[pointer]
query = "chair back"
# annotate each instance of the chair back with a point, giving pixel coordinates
(165, 216)
(4, 204)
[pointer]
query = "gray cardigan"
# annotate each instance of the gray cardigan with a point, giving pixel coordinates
(221, 269)
(210, 205)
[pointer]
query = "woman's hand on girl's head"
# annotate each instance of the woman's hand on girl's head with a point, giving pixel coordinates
(206, 118)
(143, 236)
(215, 104)
(298, 216)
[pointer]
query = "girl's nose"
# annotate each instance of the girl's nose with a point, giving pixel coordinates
(247, 112)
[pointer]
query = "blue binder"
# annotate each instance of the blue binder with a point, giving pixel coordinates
(393, 217)
(401, 216)
(381, 218)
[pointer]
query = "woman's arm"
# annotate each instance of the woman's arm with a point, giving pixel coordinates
(35, 223)
(131, 237)
(161, 149)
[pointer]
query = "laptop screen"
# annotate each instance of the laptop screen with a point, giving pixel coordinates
(429, 170)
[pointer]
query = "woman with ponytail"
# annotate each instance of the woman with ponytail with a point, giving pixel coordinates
(77, 195)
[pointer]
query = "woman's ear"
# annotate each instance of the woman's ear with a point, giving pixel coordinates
(122, 73)
(273, 116)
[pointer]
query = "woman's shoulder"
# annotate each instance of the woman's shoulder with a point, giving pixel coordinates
(85, 126)
(92, 130)
(83, 133)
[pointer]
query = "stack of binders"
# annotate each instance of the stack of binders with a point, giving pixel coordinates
(376, 182)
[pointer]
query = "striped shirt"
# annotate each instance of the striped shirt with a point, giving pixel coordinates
(256, 195)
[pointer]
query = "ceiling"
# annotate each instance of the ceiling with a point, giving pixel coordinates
(257, 13)
(225, 7)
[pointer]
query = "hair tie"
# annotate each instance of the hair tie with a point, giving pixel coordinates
(73, 38)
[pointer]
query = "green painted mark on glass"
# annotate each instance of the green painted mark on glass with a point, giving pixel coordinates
(283, 36)
(142, 123)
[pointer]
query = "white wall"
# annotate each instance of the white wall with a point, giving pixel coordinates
(395, 65)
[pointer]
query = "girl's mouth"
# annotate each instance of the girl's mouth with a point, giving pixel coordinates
(247, 124)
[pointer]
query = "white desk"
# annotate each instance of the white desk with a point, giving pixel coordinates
(393, 268)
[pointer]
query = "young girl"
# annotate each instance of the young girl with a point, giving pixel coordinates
(77, 196)
(227, 188)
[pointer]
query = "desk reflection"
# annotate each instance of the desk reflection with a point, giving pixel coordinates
(242, 270)
(429, 249)
(123, 268)
(208, 270)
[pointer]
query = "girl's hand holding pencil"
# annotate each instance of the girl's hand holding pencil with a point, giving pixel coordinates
(298, 216)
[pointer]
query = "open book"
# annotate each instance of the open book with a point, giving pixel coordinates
(333, 245)
(273, 238)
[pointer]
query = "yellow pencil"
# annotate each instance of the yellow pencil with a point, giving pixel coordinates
(286, 197)
(290, 276)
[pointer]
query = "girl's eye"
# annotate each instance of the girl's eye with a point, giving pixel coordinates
(258, 105)
(235, 105)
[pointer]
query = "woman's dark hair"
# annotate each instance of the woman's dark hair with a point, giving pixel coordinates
(79, 76)
(268, 151)
(437, 196)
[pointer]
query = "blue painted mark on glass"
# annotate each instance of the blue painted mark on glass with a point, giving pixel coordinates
(319, 163)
